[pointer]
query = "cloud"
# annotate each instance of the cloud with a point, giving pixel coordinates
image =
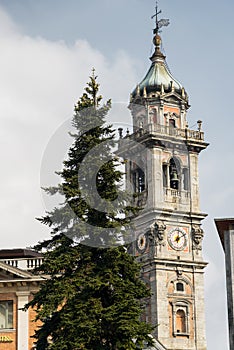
(40, 82)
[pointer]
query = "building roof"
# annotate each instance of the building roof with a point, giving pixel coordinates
(18, 253)
(224, 224)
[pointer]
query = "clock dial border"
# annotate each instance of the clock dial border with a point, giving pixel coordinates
(177, 238)
(141, 243)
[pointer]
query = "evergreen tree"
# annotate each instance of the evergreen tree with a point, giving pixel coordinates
(93, 296)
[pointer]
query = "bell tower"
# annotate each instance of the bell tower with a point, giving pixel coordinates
(162, 171)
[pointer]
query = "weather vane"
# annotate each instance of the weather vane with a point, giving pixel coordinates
(159, 23)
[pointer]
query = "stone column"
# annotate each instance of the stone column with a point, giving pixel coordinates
(22, 321)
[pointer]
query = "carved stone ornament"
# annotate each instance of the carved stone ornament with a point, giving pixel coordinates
(197, 234)
(157, 233)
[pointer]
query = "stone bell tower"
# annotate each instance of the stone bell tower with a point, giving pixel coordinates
(162, 171)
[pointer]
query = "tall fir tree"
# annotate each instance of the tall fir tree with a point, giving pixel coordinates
(93, 296)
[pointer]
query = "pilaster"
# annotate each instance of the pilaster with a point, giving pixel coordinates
(22, 321)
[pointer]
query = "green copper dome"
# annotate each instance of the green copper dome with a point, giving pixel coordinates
(158, 75)
(158, 78)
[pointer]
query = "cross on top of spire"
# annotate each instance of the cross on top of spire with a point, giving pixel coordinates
(159, 23)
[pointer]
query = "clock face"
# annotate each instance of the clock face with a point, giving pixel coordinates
(177, 238)
(141, 243)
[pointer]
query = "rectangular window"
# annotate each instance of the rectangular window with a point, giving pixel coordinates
(6, 314)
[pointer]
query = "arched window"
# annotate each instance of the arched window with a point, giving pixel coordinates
(172, 123)
(172, 127)
(154, 116)
(180, 321)
(139, 180)
(181, 318)
(174, 174)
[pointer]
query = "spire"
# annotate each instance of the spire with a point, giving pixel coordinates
(157, 39)
(158, 80)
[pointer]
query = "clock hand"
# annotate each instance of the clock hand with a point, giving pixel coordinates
(182, 234)
(179, 236)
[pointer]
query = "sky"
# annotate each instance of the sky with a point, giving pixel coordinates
(48, 49)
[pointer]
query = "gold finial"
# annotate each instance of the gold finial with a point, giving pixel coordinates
(157, 39)
(138, 91)
(183, 92)
(162, 89)
(172, 85)
(157, 42)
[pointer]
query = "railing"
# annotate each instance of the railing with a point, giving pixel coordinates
(25, 264)
(169, 131)
(170, 193)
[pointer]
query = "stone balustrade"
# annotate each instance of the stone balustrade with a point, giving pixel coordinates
(156, 129)
(25, 264)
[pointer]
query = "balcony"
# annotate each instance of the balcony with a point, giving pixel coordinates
(172, 195)
(25, 264)
(162, 130)
(176, 132)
